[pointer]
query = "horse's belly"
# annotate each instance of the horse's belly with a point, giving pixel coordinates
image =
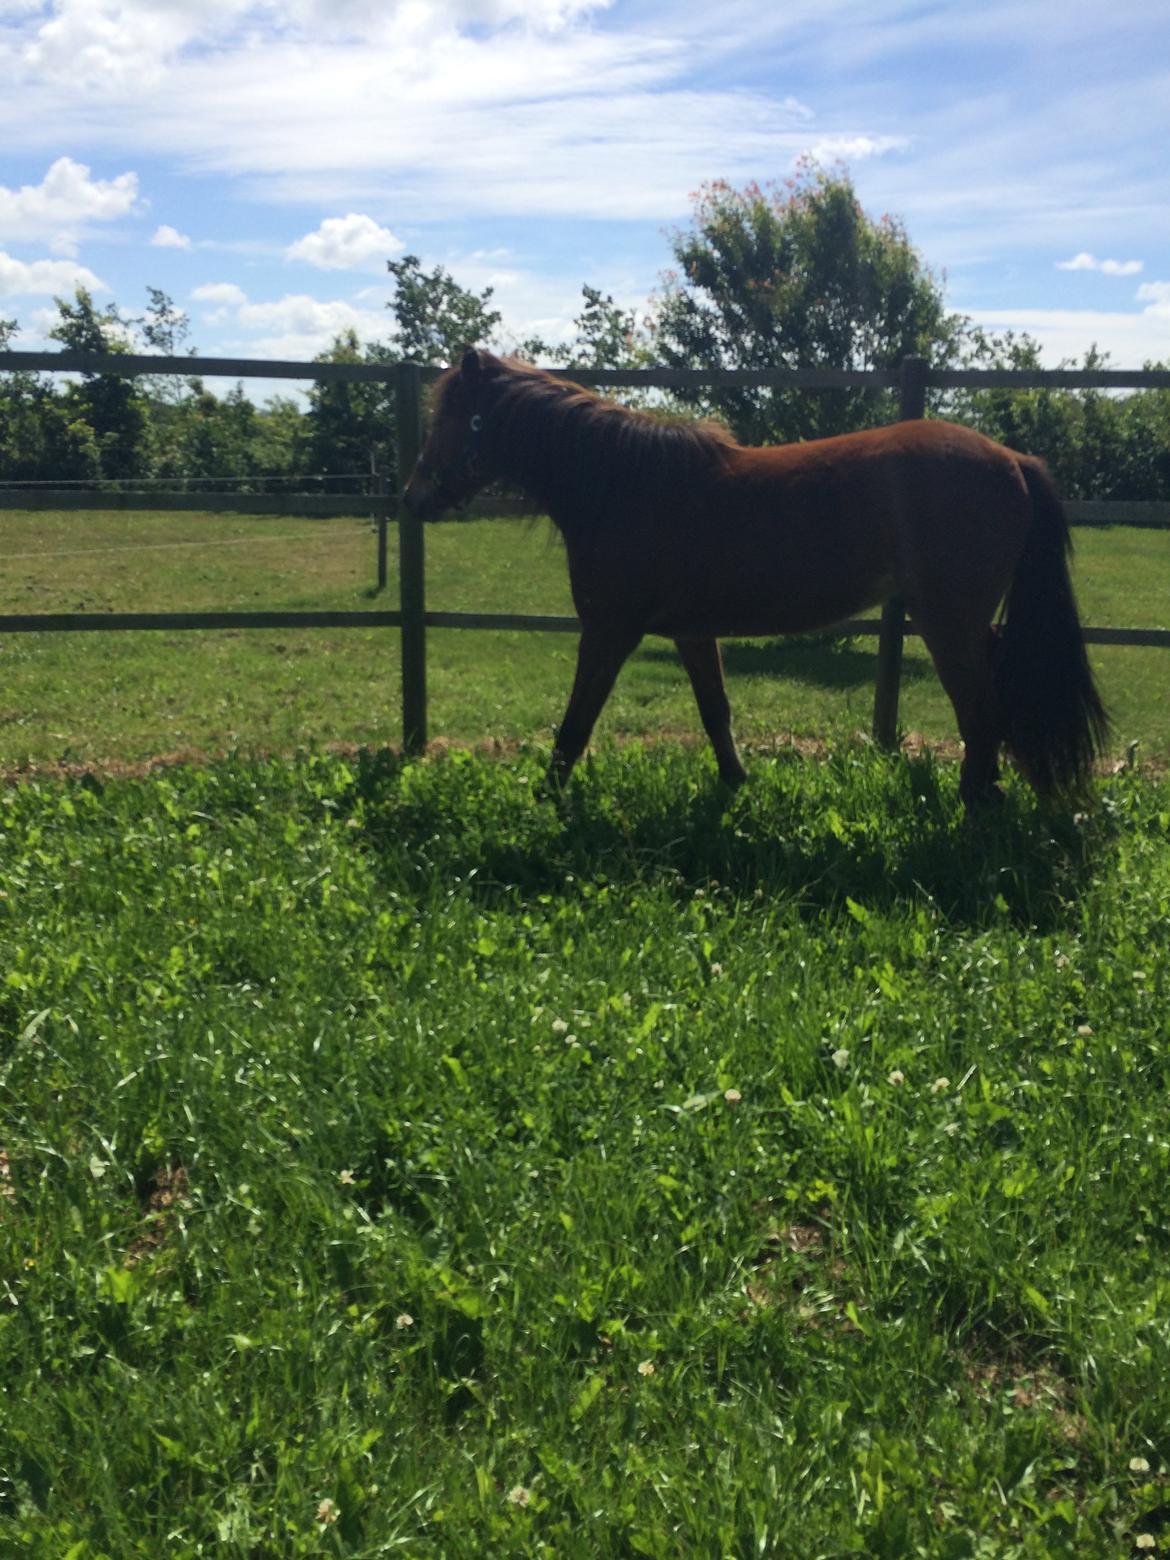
(758, 607)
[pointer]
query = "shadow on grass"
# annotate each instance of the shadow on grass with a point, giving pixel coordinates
(814, 833)
(822, 660)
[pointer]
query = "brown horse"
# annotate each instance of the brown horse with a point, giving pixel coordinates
(672, 528)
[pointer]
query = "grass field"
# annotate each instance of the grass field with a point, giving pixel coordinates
(394, 1163)
(128, 696)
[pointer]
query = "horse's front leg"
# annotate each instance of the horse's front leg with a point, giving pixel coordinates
(601, 654)
(705, 669)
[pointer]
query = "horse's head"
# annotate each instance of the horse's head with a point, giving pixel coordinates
(450, 470)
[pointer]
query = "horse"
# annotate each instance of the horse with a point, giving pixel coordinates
(673, 528)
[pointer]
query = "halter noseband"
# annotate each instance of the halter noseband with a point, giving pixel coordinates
(464, 467)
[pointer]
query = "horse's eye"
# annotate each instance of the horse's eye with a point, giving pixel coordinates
(476, 423)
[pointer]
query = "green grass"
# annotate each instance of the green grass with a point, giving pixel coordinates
(130, 696)
(660, 1174)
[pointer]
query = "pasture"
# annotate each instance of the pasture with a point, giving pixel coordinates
(118, 697)
(394, 1162)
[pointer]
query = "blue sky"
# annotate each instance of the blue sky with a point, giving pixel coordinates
(260, 162)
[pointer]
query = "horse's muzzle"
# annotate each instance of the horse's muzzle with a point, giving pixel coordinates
(422, 499)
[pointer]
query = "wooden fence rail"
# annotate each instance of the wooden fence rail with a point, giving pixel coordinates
(911, 382)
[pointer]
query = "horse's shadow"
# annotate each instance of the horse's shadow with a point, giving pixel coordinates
(827, 660)
(908, 843)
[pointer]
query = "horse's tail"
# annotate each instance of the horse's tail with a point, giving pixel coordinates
(1054, 723)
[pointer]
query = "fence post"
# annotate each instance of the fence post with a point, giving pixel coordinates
(911, 405)
(379, 486)
(411, 563)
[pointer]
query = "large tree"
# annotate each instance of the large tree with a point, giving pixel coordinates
(796, 276)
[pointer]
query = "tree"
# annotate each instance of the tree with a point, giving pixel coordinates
(796, 277)
(164, 326)
(608, 336)
(350, 422)
(436, 317)
(113, 406)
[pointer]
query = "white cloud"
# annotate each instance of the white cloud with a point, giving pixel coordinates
(347, 243)
(1130, 339)
(1156, 295)
(65, 202)
(220, 293)
(855, 148)
(430, 106)
(1087, 262)
(107, 46)
(19, 277)
(167, 237)
(296, 326)
(111, 45)
(299, 326)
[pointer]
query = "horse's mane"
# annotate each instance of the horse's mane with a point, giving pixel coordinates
(580, 452)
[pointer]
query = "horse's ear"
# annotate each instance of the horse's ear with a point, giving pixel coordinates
(469, 368)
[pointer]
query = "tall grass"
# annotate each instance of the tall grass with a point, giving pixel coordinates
(395, 1162)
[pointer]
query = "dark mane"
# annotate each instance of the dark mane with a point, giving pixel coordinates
(563, 444)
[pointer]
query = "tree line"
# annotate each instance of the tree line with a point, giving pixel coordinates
(793, 275)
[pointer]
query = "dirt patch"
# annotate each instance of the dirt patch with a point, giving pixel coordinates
(796, 1268)
(914, 745)
(164, 1199)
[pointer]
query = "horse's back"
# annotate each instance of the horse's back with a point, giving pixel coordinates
(918, 508)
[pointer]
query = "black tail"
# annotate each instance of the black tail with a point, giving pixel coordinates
(1053, 720)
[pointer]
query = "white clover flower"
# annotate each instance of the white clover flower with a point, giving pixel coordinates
(519, 1496)
(897, 1078)
(732, 1096)
(841, 1058)
(646, 1368)
(940, 1085)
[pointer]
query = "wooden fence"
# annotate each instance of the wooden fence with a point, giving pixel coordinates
(911, 382)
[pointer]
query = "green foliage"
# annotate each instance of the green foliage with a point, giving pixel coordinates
(112, 406)
(350, 424)
(42, 433)
(436, 318)
(1097, 444)
(796, 277)
(393, 1162)
(607, 336)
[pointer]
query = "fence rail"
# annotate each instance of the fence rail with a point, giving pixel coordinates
(912, 381)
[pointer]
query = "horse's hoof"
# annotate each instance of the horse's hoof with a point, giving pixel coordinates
(553, 787)
(984, 803)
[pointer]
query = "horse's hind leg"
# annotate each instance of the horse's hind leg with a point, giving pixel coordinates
(601, 654)
(963, 658)
(705, 669)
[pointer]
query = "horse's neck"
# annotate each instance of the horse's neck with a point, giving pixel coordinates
(545, 452)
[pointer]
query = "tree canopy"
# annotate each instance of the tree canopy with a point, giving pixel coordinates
(796, 276)
(790, 275)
